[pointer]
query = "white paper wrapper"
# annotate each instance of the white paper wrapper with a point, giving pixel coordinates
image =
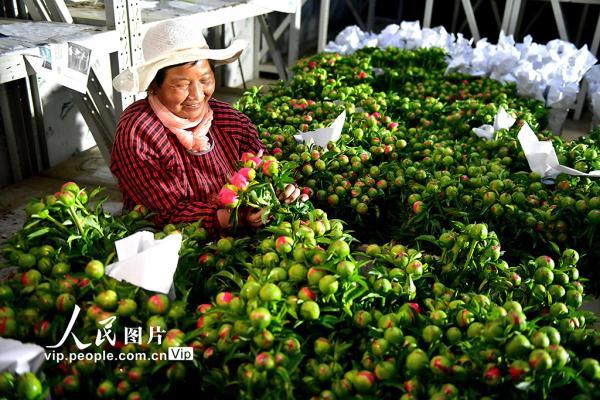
(445, 39)
(542, 158)
(561, 94)
(505, 59)
(389, 37)
(550, 73)
(531, 52)
(482, 55)
(581, 62)
(593, 79)
(460, 55)
(596, 105)
(410, 33)
(19, 357)
(146, 262)
(559, 49)
(322, 136)
(502, 120)
(349, 40)
(436, 37)
(529, 81)
(556, 120)
(485, 132)
(378, 71)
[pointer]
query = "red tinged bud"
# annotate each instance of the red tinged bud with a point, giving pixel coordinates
(224, 298)
(283, 244)
(264, 361)
(41, 329)
(83, 282)
(518, 370)
(415, 307)
(239, 181)
(363, 381)
(492, 375)
(306, 294)
(158, 304)
(228, 198)
(70, 187)
(203, 308)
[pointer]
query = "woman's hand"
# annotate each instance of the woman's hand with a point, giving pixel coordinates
(290, 194)
(224, 218)
(254, 217)
(248, 216)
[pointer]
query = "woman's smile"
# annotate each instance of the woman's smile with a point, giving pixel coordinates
(187, 88)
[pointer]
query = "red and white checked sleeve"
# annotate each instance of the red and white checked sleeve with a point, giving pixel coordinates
(144, 178)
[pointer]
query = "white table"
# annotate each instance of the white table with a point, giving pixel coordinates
(13, 67)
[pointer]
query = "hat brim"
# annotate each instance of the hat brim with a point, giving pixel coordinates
(137, 79)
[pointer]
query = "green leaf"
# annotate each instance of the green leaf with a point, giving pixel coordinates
(372, 296)
(31, 224)
(235, 278)
(73, 238)
(427, 238)
(92, 221)
(37, 233)
(95, 192)
(328, 321)
(554, 247)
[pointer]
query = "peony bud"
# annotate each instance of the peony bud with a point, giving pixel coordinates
(239, 181)
(270, 168)
(247, 173)
(228, 198)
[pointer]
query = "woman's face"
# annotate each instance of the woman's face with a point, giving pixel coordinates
(187, 89)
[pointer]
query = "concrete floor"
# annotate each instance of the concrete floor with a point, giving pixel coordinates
(574, 129)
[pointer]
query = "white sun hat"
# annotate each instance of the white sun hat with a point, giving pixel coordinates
(171, 43)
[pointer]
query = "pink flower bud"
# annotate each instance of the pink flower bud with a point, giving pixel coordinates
(270, 168)
(239, 181)
(247, 173)
(228, 198)
(277, 152)
(253, 162)
(224, 298)
(415, 307)
(246, 156)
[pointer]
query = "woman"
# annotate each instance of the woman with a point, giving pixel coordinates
(174, 150)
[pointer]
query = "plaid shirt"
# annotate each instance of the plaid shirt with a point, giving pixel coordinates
(155, 170)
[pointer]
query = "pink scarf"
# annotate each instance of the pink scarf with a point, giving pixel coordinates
(194, 140)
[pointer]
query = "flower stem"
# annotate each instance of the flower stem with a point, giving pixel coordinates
(76, 220)
(58, 224)
(110, 258)
(470, 255)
